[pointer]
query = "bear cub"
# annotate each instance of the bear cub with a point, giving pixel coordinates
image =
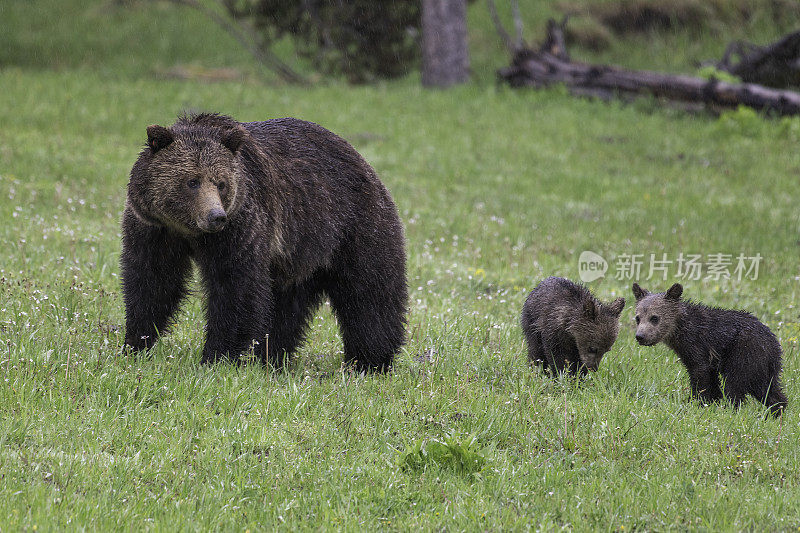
(567, 328)
(711, 342)
(276, 215)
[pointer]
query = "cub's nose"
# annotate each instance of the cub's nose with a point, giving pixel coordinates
(640, 338)
(216, 220)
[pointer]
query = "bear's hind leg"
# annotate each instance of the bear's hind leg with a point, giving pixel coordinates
(770, 393)
(293, 307)
(754, 367)
(372, 318)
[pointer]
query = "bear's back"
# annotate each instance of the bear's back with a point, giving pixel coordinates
(302, 145)
(553, 302)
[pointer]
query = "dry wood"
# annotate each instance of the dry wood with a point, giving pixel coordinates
(543, 68)
(775, 65)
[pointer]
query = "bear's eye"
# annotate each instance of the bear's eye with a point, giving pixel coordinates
(638, 319)
(654, 319)
(221, 185)
(193, 183)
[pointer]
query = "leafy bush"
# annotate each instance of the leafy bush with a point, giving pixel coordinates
(360, 39)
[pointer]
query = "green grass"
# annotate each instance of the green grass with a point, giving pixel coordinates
(497, 189)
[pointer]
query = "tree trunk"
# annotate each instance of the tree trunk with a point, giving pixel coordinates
(445, 59)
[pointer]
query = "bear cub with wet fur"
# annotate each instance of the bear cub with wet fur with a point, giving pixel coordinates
(711, 342)
(276, 216)
(566, 328)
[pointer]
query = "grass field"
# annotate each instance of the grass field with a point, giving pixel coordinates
(497, 189)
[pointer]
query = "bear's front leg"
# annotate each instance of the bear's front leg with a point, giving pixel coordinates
(555, 353)
(704, 384)
(238, 307)
(155, 265)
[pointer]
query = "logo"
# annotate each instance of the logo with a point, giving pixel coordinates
(591, 266)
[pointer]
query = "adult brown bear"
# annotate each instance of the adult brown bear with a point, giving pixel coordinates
(275, 215)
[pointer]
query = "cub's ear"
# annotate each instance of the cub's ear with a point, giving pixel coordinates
(639, 292)
(233, 139)
(158, 137)
(674, 292)
(617, 306)
(589, 309)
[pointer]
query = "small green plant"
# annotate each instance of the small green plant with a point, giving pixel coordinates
(710, 72)
(743, 120)
(450, 453)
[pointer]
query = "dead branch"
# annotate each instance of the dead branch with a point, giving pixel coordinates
(544, 68)
(248, 41)
(555, 43)
(498, 26)
(518, 27)
(775, 65)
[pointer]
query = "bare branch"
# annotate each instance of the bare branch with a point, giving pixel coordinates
(775, 65)
(555, 43)
(518, 27)
(501, 31)
(248, 41)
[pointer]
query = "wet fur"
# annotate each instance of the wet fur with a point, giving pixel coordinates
(561, 320)
(307, 218)
(711, 342)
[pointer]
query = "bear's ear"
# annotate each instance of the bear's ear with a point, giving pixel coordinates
(233, 139)
(674, 292)
(617, 306)
(589, 309)
(639, 292)
(158, 137)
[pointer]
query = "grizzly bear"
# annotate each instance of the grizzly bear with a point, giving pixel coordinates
(711, 341)
(276, 215)
(567, 328)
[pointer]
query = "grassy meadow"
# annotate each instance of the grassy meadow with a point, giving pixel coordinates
(497, 190)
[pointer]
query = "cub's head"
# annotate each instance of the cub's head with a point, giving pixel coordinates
(188, 176)
(656, 313)
(596, 330)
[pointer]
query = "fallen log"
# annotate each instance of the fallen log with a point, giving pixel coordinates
(543, 68)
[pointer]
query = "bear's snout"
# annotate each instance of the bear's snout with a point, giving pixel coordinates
(644, 340)
(215, 220)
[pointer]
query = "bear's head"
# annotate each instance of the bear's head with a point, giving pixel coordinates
(188, 177)
(596, 330)
(656, 314)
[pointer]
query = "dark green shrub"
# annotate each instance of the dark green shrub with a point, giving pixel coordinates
(360, 39)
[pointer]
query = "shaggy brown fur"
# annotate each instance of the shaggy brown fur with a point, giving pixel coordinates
(712, 341)
(275, 215)
(566, 328)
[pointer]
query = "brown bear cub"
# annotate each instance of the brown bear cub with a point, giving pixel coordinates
(710, 342)
(275, 215)
(568, 329)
